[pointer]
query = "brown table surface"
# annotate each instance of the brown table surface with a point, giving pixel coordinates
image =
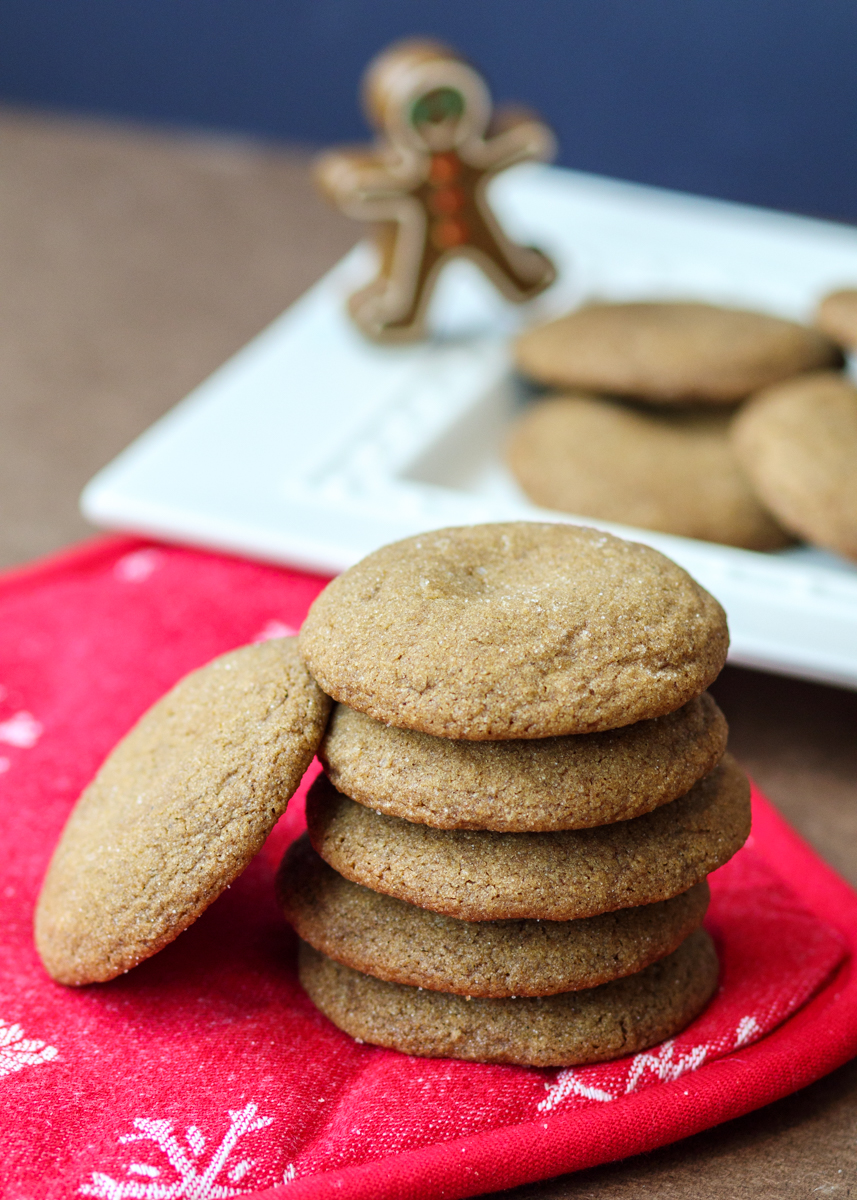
(133, 264)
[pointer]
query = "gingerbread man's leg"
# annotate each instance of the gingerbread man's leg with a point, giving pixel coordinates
(520, 272)
(392, 307)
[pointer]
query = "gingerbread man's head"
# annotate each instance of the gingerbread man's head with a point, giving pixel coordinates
(426, 98)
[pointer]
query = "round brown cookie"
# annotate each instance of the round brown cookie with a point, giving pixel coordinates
(837, 317)
(516, 630)
(177, 811)
(487, 876)
(399, 942)
(672, 470)
(671, 352)
(523, 785)
(798, 444)
(617, 1018)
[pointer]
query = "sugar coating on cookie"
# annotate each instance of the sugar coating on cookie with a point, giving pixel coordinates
(671, 352)
(480, 875)
(668, 469)
(798, 444)
(516, 630)
(177, 810)
(523, 785)
(622, 1017)
(396, 941)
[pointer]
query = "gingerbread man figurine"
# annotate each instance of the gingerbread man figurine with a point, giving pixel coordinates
(424, 185)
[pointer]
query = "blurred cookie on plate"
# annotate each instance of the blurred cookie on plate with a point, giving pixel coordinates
(671, 352)
(837, 317)
(673, 470)
(798, 444)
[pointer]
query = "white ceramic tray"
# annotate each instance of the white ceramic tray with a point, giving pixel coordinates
(312, 447)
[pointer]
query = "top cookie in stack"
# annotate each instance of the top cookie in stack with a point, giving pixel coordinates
(640, 432)
(526, 791)
(522, 630)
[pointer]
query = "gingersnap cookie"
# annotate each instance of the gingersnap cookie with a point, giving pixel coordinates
(671, 353)
(390, 939)
(837, 317)
(668, 469)
(523, 785)
(177, 811)
(517, 630)
(486, 876)
(798, 444)
(617, 1018)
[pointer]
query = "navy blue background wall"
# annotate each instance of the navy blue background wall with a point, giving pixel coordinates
(752, 100)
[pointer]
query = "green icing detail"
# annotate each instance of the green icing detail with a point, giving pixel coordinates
(437, 106)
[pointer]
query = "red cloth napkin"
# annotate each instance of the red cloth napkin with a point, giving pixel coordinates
(206, 1072)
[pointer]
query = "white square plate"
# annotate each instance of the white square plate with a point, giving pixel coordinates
(312, 447)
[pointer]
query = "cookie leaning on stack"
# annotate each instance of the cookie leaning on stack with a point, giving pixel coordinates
(177, 811)
(532, 791)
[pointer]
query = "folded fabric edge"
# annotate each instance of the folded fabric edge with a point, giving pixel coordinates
(784, 1061)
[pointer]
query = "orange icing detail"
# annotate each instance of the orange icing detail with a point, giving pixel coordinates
(449, 233)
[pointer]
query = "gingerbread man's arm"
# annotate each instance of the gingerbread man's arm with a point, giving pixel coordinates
(355, 179)
(520, 138)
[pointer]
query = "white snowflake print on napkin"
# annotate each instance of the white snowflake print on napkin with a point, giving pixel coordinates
(137, 566)
(22, 729)
(17, 1051)
(661, 1064)
(185, 1175)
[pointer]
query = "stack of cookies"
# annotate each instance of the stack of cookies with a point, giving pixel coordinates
(640, 426)
(526, 788)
